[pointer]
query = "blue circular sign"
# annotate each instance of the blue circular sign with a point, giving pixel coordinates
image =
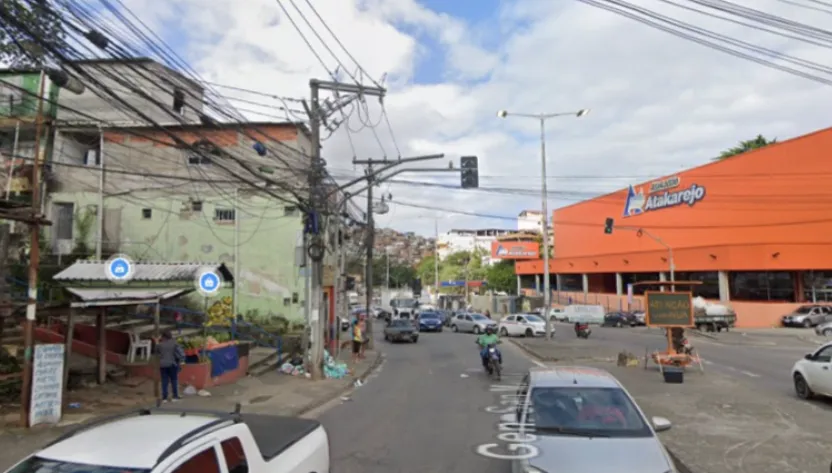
(119, 268)
(209, 282)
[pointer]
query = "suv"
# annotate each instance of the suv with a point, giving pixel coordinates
(808, 316)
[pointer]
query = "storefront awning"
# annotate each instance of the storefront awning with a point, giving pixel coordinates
(106, 297)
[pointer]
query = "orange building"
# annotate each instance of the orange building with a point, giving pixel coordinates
(755, 229)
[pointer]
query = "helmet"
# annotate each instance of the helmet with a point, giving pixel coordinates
(489, 329)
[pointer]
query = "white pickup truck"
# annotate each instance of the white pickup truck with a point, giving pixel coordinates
(186, 441)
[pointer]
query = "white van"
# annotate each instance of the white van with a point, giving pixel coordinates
(585, 314)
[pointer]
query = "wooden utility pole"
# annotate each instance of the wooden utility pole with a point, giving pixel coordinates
(34, 262)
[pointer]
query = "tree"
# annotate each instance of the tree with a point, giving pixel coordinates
(401, 275)
(748, 145)
(18, 47)
(501, 277)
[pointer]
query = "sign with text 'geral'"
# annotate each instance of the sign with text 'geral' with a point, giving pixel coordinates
(47, 384)
(669, 309)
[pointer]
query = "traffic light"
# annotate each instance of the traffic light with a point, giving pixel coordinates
(608, 224)
(416, 286)
(470, 175)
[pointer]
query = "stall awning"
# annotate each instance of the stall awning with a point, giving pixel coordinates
(105, 297)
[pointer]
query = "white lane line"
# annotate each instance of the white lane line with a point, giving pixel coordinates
(747, 373)
(536, 362)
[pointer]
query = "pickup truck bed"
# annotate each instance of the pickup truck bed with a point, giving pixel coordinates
(274, 434)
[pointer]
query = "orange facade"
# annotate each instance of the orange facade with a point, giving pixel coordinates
(769, 209)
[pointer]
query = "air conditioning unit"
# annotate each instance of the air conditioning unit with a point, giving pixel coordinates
(63, 247)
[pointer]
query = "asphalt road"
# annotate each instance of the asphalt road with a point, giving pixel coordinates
(767, 364)
(424, 411)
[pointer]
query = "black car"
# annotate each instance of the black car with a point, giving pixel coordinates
(401, 330)
(620, 319)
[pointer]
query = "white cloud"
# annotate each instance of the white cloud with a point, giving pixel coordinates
(660, 103)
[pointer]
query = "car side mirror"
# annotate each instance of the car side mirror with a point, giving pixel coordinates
(809, 357)
(660, 424)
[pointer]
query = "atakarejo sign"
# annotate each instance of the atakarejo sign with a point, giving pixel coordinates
(661, 195)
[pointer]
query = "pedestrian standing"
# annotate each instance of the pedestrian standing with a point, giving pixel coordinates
(356, 339)
(171, 356)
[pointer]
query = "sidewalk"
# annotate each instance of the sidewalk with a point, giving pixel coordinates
(766, 336)
(720, 424)
(273, 393)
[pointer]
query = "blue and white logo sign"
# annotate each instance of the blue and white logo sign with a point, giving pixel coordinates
(208, 282)
(119, 268)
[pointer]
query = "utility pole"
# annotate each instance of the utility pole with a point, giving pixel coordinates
(100, 214)
(436, 259)
(34, 262)
(371, 241)
(316, 246)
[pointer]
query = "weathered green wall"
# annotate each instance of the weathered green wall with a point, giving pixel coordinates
(268, 279)
(27, 107)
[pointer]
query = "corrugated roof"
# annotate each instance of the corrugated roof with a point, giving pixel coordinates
(96, 271)
(118, 293)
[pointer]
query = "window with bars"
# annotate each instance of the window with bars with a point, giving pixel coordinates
(225, 215)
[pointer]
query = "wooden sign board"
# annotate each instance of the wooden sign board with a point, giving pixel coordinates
(669, 309)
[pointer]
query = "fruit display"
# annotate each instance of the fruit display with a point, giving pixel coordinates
(220, 313)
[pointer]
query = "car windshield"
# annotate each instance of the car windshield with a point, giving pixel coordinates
(533, 318)
(43, 465)
(606, 412)
(803, 310)
(400, 323)
(478, 317)
(429, 315)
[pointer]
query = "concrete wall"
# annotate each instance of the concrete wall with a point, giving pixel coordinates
(268, 280)
(152, 79)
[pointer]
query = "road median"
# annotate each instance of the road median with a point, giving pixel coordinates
(720, 423)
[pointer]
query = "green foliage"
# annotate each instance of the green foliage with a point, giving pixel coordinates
(401, 275)
(748, 145)
(84, 221)
(502, 278)
(43, 23)
(458, 265)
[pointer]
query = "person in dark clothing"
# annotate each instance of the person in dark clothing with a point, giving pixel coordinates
(171, 356)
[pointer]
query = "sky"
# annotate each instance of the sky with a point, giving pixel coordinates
(659, 103)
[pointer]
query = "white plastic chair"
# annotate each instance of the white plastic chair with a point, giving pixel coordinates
(138, 347)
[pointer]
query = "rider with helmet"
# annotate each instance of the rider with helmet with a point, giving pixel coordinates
(490, 337)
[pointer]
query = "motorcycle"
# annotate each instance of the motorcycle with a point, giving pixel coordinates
(582, 331)
(493, 367)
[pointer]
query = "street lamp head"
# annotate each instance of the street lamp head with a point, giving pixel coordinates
(502, 114)
(582, 112)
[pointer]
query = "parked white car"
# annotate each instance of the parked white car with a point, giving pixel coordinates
(162, 440)
(824, 329)
(523, 325)
(813, 374)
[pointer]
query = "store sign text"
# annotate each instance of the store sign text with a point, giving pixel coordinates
(662, 194)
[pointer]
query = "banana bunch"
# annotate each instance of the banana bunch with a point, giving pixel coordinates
(220, 313)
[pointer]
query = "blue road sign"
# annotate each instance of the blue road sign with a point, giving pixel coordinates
(209, 282)
(452, 283)
(119, 269)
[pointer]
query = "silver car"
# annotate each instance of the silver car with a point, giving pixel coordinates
(808, 316)
(474, 323)
(824, 329)
(580, 419)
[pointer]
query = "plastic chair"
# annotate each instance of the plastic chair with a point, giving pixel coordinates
(138, 347)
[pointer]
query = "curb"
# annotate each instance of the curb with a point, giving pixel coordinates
(362, 376)
(699, 333)
(532, 353)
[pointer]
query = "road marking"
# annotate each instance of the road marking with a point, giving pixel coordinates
(748, 373)
(708, 362)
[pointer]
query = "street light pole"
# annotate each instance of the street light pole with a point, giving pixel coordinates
(544, 197)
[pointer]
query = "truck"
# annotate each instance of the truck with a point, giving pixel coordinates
(712, 317)
(404, 307)
(161, 440)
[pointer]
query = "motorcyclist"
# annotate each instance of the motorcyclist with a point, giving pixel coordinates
(490, 337)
